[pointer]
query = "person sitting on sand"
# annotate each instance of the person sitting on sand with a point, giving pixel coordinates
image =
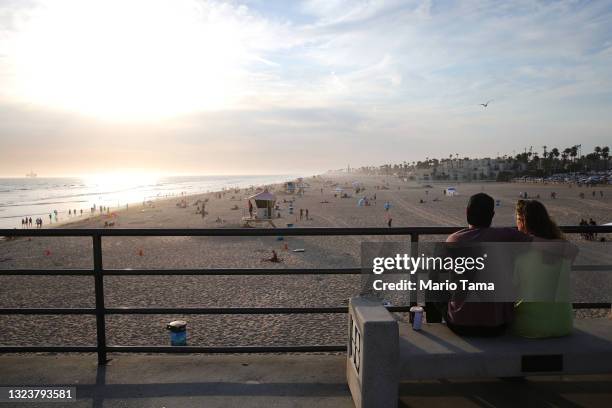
(481, 318)
(543, 273)
(274, 258)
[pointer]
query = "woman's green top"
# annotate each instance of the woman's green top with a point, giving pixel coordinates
(543, 281)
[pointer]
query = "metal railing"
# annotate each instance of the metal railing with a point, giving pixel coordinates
(100, 311)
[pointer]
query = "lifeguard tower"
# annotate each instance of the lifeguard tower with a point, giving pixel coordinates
(263, 211)
(290, 187)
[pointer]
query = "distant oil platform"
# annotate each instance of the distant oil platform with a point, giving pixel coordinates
(31, 174)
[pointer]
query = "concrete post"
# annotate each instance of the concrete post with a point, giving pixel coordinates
(372, 366)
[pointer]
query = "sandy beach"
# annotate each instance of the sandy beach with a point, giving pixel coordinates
(412, 204)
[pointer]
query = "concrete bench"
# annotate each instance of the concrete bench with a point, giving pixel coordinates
(382, 352)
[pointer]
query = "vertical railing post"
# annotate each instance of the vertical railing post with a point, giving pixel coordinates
(414, 253)
(100, 310)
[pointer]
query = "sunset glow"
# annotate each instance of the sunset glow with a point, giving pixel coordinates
(87, 58)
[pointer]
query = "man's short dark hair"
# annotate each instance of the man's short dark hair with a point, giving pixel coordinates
(480, 210)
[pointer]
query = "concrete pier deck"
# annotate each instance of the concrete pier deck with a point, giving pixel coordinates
(186, 381)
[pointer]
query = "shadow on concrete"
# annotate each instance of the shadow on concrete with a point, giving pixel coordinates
(102, 391)
(515, 392)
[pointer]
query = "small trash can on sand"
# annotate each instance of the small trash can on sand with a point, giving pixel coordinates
(178, 332)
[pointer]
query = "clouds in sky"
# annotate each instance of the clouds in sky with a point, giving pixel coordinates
(318, 83)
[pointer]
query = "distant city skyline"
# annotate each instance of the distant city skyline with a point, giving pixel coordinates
(275, 87)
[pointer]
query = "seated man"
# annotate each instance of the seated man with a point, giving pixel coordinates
(481, 318)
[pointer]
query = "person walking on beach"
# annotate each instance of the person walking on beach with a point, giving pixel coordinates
(22, 222)
(250, 209)
(307, 219)
(301, 214)
(30, 221)
(593, 224)
(50, 218)
(584, 223)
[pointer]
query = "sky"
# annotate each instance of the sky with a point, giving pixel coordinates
(283, 87)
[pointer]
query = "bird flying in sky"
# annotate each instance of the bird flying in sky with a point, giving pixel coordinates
(486, 104)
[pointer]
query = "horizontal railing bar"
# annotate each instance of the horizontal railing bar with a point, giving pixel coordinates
(47, 349)
(585, 268)
(225, 310)
(228, 272)
(241, 310)
(175, 349)
(250, 232)
(234, 271)
(584, 305)
(46, 272)
(579, 229)
(47, 311)
(225, 349)
(227, 232)
(398, 308)
(222, 271)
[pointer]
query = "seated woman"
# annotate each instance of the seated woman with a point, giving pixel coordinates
(544, 308)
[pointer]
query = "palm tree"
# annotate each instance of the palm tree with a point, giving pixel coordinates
(565, 154)
(605, 152)
(597, 151)
(574, 152)
(555, 152)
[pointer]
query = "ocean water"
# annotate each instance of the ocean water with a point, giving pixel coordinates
(39, 197)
